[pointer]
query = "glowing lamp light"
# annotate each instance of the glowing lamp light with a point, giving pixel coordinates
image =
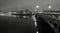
(49, 6)
(37, 6)
(37, 32)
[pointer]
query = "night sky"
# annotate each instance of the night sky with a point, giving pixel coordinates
(17, 5)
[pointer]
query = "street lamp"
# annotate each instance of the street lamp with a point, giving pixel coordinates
(37, 7)
(49, 6)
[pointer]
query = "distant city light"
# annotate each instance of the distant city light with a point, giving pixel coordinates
(24, 16)
(49, 6)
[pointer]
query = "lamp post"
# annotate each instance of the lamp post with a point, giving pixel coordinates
(37, 8)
